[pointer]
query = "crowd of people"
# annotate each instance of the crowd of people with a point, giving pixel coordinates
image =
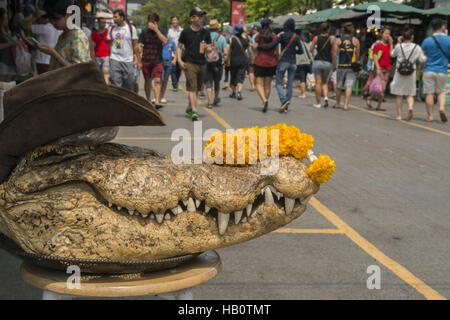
(204, 54)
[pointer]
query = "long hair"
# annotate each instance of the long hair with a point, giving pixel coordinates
(266, 34)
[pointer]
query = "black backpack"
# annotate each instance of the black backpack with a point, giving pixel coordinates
(406, 68)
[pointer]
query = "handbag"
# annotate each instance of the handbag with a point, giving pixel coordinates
(376, 87)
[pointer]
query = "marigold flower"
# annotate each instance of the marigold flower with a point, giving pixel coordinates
(321, 169)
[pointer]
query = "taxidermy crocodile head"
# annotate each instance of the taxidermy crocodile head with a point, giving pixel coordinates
(126, 203)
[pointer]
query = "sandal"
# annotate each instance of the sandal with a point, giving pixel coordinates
(443, 116)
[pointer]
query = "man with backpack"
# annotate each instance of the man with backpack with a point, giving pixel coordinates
(347, 48)
(214, 63)
(437, 49)
(124, 44)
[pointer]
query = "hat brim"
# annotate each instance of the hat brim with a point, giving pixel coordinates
(49, 116)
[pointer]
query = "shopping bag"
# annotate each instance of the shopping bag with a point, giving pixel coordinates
(23, 59)
(376, 87)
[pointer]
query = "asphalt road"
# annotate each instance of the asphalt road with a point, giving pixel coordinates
(386, 206)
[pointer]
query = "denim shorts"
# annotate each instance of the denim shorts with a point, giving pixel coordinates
(322, 68)
(167, 70)
(102, 63)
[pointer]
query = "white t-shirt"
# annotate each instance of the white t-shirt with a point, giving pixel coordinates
(48, 35)
(174, 34)
(122, 45)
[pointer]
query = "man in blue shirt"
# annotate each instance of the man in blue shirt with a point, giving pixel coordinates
(214, 70)
(437, 49)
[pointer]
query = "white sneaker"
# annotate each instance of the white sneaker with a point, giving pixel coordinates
(153, 100)
(163, 100)
(316, 105)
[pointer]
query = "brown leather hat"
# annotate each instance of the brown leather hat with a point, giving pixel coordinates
(64, 102)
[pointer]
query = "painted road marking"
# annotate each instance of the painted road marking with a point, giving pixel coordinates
(309, 231)
(396, 268)
(388, 117)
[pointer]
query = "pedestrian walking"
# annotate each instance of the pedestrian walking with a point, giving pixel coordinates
(347, 48)
(265, 62)
(437, 49)
(7, 64)
(72, 45)
(124, 47)
(153, 41)
(290, 46)
(304, 62)
(169, 56)
(252, 52)
(173, 34)
(408, 55)
(324, 62)
(238, 56)
(214, 63)
(100, 48)
(196, 41)
(228, 34)
(382, 65)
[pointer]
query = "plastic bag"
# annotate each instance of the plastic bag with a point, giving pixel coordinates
(376, 87)
(23, 60)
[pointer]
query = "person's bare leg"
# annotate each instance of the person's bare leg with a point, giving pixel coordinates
(318, 88)
(106, 76)
(303, 89)
(251, 77)
(441, 101)
(398, 103)
(429, 102)
(260, 89)
(348, 95)
(384, 81)
(193, 100)
(338, 97)
(239, 87)
(163, 89)
(325, 89)
(410, 103)
(209, 95)
(267, 86)
(148, 88)
(157, 85)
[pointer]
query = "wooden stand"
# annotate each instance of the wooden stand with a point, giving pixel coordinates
(56, 285)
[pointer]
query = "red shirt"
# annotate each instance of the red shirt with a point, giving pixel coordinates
(266, 58)
(385, 60)
(101, 48)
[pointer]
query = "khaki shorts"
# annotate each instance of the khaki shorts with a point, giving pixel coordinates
(195, 76)
(434, 82)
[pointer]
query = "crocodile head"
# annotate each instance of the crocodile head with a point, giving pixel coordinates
(126, 203)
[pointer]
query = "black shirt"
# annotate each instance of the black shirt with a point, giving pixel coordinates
(238, 55)
(325, 53)
(191, 40)
(152, 51)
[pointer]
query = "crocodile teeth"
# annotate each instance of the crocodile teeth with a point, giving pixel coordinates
(306, 200)
(159, 217)
(289, 204)
(237, 216)
(119, 208)
(191, 205)
(131, 212)
(223, 222)
(185, 202)
(167, 216)
(268, 196)
(197, 203)
(207, 208)
(249, 209)
(152, 216)
(244, 219)
(174, 210)
(144, 215)
(109, 204)
(279, 195)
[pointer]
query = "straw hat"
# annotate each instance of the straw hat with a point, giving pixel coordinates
(214, 24)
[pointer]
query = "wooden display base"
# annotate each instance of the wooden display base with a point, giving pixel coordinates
(56, 285)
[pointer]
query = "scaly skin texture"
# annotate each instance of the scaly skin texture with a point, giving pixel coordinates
(74, 202)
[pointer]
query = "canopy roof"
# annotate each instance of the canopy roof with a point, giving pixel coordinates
(438, 11)
(390, 7)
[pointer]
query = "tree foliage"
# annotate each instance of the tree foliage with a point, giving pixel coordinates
(215, 9)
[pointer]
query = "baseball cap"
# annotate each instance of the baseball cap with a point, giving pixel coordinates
(238, 28)
(265, 22)
(197, 12)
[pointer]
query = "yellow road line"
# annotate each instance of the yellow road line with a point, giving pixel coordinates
(369, 248)
(309, 231)
(389, 117)
(392, 265)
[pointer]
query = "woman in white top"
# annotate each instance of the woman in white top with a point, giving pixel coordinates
(405, 85)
